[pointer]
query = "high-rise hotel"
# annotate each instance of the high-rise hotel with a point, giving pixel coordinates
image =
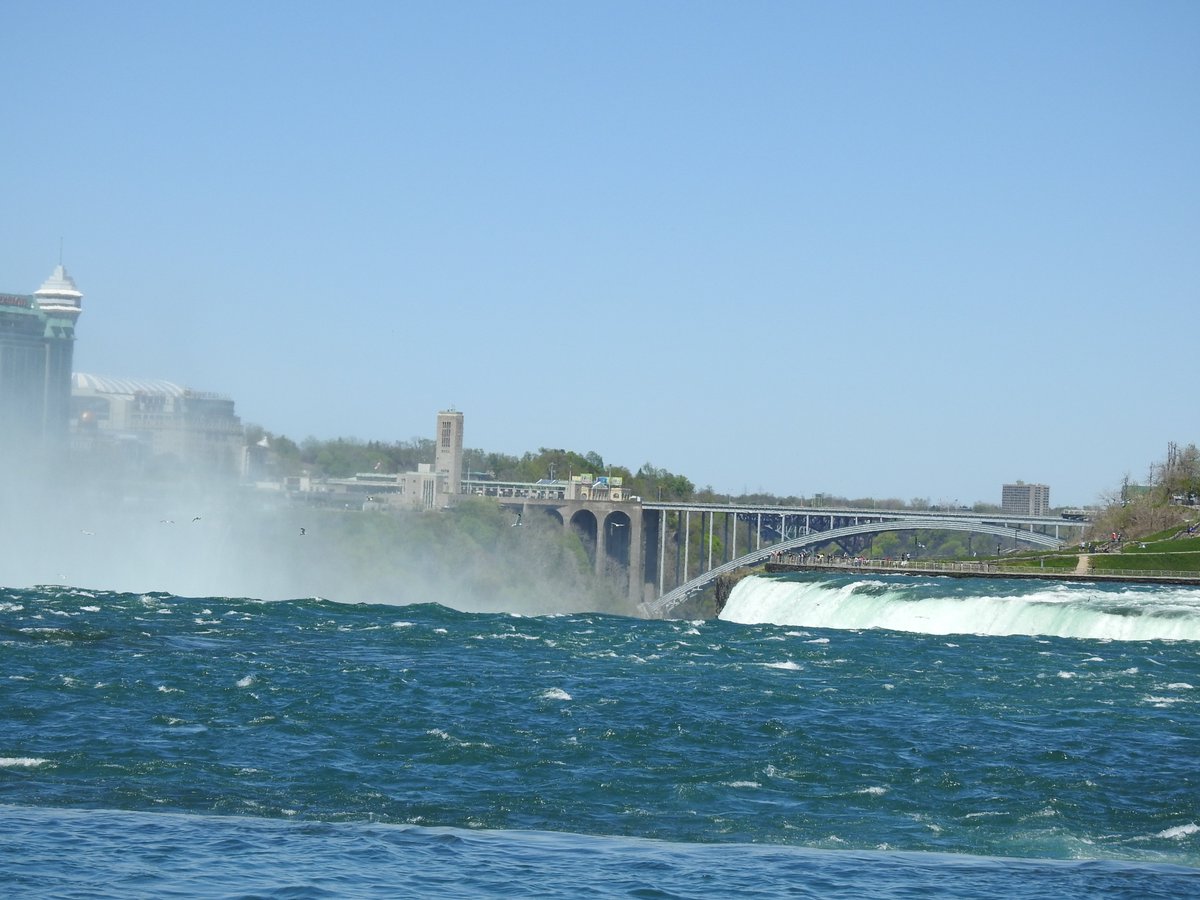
(37, 341)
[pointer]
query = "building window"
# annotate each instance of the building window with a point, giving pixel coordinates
(446, 434)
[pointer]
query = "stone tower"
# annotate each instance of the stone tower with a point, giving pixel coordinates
(448, 456)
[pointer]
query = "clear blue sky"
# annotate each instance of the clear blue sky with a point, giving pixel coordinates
(864, 248)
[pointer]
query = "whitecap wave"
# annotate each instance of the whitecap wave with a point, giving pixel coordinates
(1179, 831)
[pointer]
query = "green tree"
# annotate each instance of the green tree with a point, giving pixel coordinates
(886, 545)
(652, 483)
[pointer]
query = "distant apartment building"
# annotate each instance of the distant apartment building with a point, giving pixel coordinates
(1021, 499)
(37, 341)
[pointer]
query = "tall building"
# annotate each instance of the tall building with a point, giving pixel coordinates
(1023, 499)
(37, 343)
(447, 457)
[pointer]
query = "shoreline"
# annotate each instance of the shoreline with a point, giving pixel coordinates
(980, 570)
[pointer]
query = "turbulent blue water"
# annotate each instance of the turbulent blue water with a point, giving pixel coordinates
(154, 745)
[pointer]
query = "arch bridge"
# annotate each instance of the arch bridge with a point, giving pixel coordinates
(665, 603)
(632, 541)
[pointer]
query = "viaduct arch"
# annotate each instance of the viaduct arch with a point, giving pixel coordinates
(611, 532)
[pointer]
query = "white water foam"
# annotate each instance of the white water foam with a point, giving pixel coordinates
(1180, 831)
(1075, 611)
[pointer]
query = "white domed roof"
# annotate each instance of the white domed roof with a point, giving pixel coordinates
(84, 383)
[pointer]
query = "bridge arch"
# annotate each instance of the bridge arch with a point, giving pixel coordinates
(617, 538)
(585, 524)
(676, 596)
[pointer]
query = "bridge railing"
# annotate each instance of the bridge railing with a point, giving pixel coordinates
(867, 513)
(972, 567)
(902, 565)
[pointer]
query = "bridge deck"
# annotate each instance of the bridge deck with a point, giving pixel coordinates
(982, 570)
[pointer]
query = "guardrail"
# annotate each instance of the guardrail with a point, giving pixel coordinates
(983, 568)
(905, 565)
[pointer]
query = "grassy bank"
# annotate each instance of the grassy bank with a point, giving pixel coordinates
(1169, 550)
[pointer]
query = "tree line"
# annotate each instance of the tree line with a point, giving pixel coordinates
(345, 457)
